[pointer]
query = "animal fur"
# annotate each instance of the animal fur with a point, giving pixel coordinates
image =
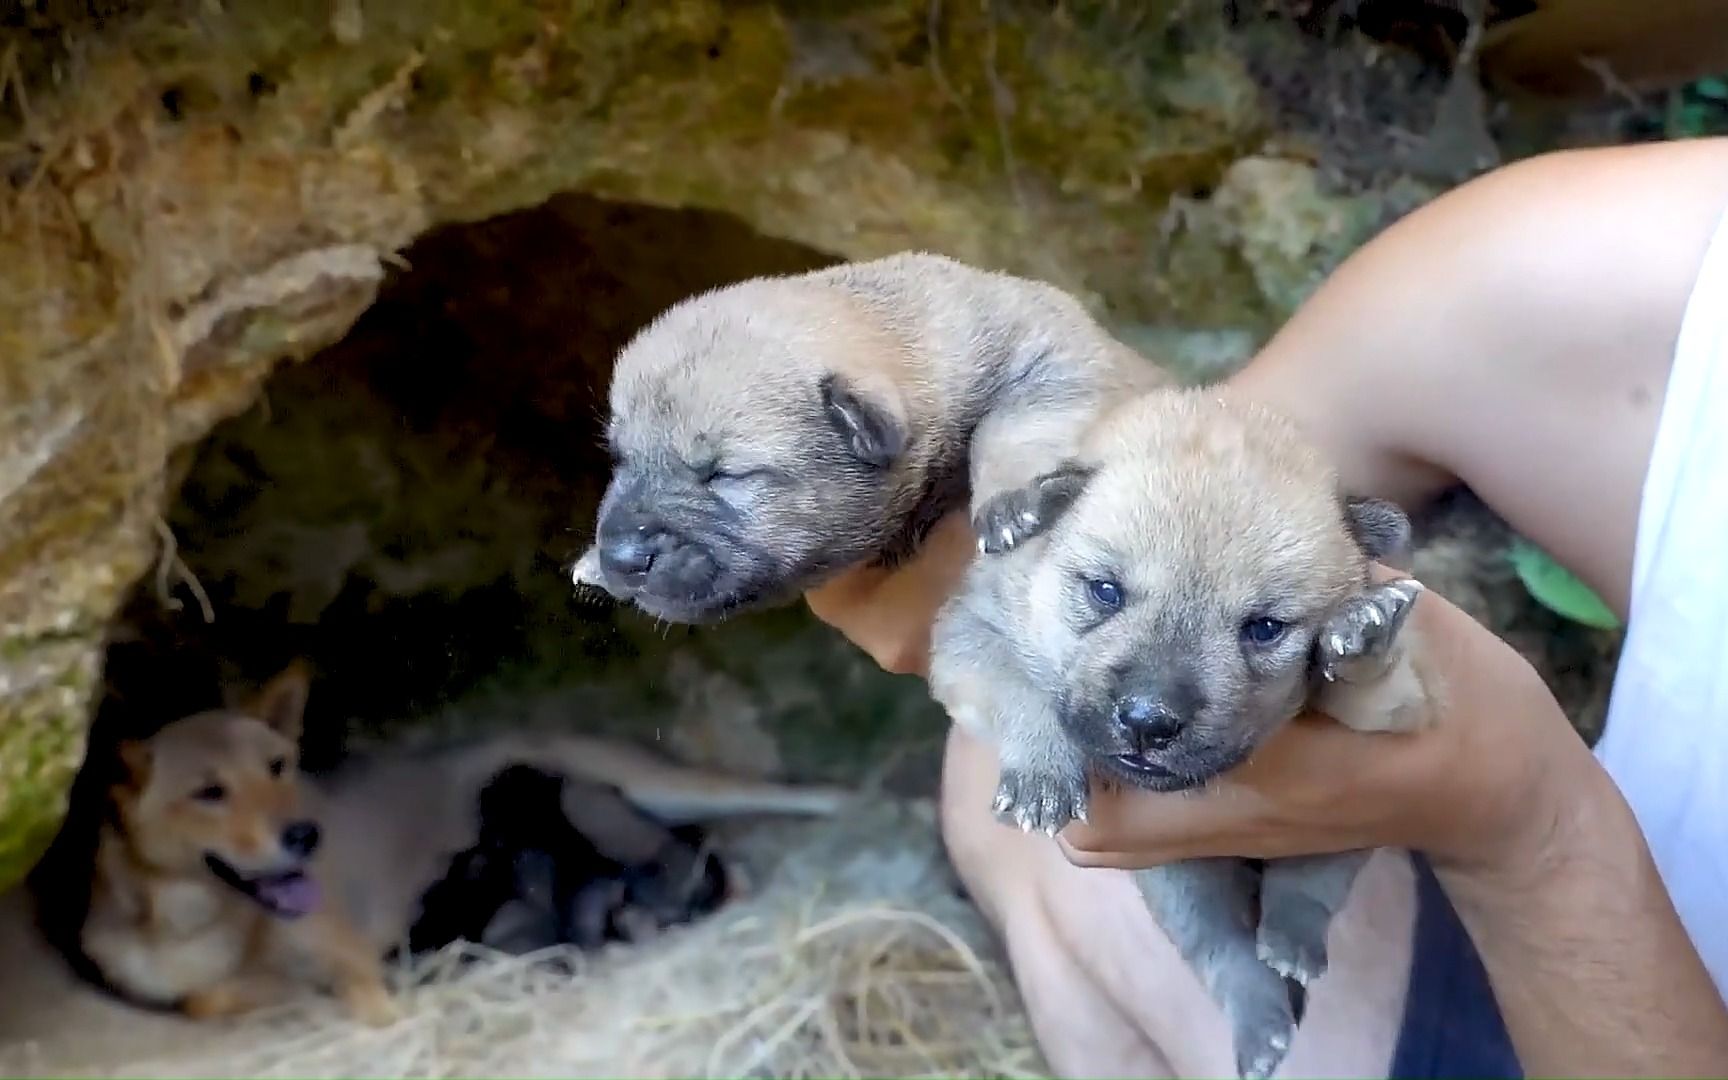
(772, 433)
(223, 879)
(777, 431)
(1147, 613)
(204, 896)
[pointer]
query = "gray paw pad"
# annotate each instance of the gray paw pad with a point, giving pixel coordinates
(1006, 521)
(1297, 956)
(1260, 1051)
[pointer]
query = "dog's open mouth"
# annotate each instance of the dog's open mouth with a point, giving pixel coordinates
(287, 895)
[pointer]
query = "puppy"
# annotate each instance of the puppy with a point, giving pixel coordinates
(773, 432)
(1153, 609)
(533, 879)
(204, 896)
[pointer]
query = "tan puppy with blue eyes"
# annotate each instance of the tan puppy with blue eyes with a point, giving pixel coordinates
(1187, 582)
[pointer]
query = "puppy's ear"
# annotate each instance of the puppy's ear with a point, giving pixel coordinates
(136, 759)
(1380, 528)
(872, 432)
(282, 701)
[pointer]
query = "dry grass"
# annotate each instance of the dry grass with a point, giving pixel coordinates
(853, 958)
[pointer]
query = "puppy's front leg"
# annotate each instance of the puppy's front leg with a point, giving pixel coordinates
(977, 679)
(1206, 906)
(1044, 782)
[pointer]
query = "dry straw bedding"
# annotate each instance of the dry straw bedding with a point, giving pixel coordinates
(851, 955)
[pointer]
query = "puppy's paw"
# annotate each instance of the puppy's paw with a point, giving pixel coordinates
(1263, 1038)
(1355, 644)
(1291, 939)
(371, 1004)
(1008, 520)
(1040, 801)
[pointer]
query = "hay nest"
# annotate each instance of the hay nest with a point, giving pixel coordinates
(853, 955)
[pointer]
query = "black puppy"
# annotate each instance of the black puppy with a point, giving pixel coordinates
(533, 879)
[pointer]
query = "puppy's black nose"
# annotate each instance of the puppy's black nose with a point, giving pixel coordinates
(300, 838)
(628, 557)
(1148, 722)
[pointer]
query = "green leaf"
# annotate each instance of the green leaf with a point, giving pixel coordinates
(1555, 588)
(1712, 89)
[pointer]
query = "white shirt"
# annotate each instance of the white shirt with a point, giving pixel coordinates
(1666, 740)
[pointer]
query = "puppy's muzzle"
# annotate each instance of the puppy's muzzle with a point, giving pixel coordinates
(639, 554)
(1148, 724)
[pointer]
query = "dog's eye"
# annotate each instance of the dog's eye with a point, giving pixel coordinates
(714, 474)
(213, 793)
(1263, 631)
(1104, 592)
(278, 766)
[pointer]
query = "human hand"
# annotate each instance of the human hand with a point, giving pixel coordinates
(889, 613)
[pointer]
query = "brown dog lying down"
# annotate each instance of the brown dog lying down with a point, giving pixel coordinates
(223, 879)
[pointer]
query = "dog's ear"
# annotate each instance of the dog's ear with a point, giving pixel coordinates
(136, 759)
(282, 701)
(873, 433)
(1379, 527)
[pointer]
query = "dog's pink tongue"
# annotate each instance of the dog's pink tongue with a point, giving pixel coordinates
(291, 895)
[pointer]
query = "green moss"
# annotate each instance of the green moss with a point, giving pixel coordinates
(42, 743)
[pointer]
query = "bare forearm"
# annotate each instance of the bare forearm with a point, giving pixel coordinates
(1592, 970)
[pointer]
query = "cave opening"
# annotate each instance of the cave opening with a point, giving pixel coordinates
(400, 512)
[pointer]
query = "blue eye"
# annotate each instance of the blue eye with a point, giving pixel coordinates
(1262, 631)
(1106, 593)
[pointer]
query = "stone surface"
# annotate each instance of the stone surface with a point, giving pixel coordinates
(193, 193)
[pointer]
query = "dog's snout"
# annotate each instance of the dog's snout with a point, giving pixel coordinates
(1150, 723)
(628, 557)
(300, 838)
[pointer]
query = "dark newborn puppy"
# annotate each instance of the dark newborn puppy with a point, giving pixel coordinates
(533, 879)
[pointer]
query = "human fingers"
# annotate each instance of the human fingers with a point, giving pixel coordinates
(888, 612)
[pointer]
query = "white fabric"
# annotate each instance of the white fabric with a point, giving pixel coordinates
(1666, 742)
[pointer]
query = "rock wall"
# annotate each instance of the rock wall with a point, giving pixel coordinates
(193, 194)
